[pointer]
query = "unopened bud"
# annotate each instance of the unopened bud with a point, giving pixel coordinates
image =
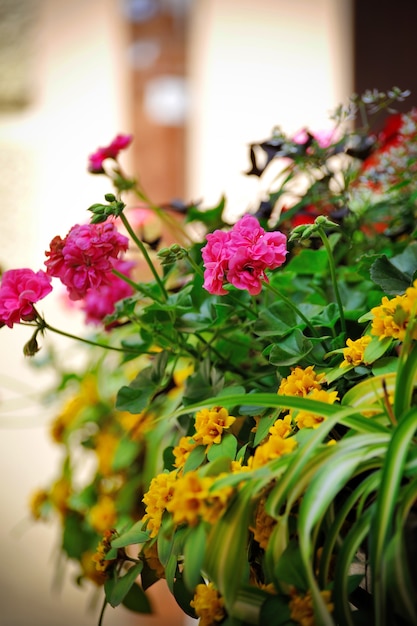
(31, 347)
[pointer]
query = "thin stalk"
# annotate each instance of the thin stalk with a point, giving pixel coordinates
(333, 276)
(43, 325)
(144, 251)
(294, 307)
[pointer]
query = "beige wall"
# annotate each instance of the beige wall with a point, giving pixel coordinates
(255, 65)
(252, 65)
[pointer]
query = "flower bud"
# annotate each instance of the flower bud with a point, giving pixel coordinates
(31, 347)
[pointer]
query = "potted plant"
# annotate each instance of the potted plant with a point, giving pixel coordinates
(251, 427)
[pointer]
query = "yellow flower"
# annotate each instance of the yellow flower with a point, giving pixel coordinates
(264, 525)
(391, 318)
(210, 424)
(182, 451)
(106, 444)
(282, 427)
(86, 396)
(156, 499)
(193, 499)
(89, 569)
(36, 503)
(355, 350)
(59, 494)
(301, 607)
(208, 605)
(103, 515)
(273, 448)
(306, 419)
(103, 548)
(300, 382)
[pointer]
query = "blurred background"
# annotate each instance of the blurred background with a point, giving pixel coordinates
(195, 82)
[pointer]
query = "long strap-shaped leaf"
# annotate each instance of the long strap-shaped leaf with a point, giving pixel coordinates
(226, 552)
(325, 485)
(382, 523)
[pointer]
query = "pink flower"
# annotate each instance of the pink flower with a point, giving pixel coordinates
(98, 303)
(120, 142)
(216, 255)
(241, 256)
(19, 290)
(324, 137)
(85, 258)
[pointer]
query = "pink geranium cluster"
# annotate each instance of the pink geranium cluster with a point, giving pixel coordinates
(241, 256)
(19, 290)
(84, 259)
(120, 142)
(98, 303)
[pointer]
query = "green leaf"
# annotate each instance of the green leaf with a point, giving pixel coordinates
(125, 453)
(136, 600)
(277, 320)
(183, 596)
(134, 535)
(392, 280)
(275, 612)
(136, 396)
(195, 459)
(122, 585)
(382, 523)
(289, 568)
(291, 349)
(226, 448)
(309, 262)
(226, 562)
(194, 554)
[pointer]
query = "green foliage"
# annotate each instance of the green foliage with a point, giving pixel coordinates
(259, 450)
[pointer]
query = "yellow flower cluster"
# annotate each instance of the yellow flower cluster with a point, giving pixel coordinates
(306, 419)
(87, 396)
(103, 548)
(103, 515)
(301, 607)
(194, 499)
(263, 526)
(156, 499)
(274, 447)
(188, 497)
(393, 316)
(300, 382)
(208, 605)
(182, 450)
(37, 502)
(354, 352)
(210, 424)
(306, 383)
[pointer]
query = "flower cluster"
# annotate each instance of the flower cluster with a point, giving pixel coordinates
(249, 435)
(20, 289)
(241, 256)
(120, 142)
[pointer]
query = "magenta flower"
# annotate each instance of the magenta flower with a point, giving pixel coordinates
(85, 258)
(120, 142)
(98, 303)
(241, 256)
(19, 290)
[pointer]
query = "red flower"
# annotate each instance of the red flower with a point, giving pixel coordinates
(19, 290)
(85, 258)
(120, 142)
(241, 256)
(98, 303)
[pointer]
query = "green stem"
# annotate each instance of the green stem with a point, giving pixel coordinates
(42, 324)
(144, 251)
(333, 276)
(294, 307)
